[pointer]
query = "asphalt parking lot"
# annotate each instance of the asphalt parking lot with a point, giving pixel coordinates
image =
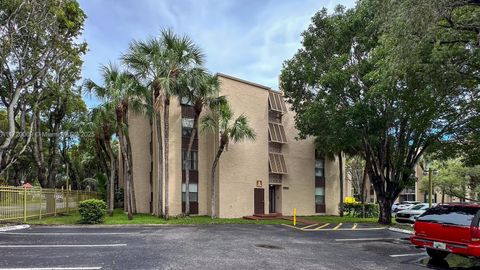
(213, 247)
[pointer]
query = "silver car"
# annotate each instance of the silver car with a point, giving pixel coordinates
(411, 214)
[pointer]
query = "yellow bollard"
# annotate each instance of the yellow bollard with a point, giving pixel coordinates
(294, 216)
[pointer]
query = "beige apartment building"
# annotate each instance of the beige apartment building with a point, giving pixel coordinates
(413, 192)
(275, 173)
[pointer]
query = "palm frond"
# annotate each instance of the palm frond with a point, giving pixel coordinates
(209, 123)
(240, 130)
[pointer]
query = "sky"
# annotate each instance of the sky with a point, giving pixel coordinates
(248, 39)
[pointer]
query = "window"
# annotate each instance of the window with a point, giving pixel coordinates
(319, 168)
(193, 163)
(187, 127)
(406, 197)
(450, 214)
(185, 101)
(276, 103)
(193, 192)
(419, 207)
(276, 133)
(319, 195)
(277, 163)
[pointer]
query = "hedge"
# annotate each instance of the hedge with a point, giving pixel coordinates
(92, 211)
(355, 209)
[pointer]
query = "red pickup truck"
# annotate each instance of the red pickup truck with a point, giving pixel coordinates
(449, 228)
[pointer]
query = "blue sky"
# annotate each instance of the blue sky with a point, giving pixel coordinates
(249, 39)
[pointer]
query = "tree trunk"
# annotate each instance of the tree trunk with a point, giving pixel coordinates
(187, 165)
(111, 182)
(340, 167)
(133, 200)
(212, 180)
(362, 192)
(443, 196)
(124, 153)
(385, 207)
(127, 173)
(166, 122)
(159, 163)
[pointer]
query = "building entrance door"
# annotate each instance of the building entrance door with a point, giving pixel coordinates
(272, 199)
(259, 201)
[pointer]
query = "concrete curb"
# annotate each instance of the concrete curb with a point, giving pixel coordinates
(12, 228)
(140, 225)
(400, 230)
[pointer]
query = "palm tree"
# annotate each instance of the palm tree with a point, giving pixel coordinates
(221, 121)
(103, 122)
(121, 93)
(160, 61)
(201, 90)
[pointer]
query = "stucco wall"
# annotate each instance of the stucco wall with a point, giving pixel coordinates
(175, 158)
(245, 162)
(300, 180)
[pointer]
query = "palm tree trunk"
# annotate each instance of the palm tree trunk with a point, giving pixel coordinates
(340, 167)
(128, 197)
(159, 163)
(126, 163)
(187, 165)
(212, 181)
(166, 122)
(111, 182)
(133, 201)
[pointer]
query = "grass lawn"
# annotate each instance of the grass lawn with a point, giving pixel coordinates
(121, 218)
(336, 219)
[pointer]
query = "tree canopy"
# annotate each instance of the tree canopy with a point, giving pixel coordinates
(385, 80)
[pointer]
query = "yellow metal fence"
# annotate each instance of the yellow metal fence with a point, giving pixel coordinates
(22, 203)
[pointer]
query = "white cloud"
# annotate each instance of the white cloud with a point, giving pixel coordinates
(248, 39)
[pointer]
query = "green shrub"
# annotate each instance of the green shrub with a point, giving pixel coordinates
(92, 211)
(355, 210)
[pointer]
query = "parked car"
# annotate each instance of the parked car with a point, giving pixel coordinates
(411, 214)
(449, 228)
(403, 205)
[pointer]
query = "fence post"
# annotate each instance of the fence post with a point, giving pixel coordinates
(54, 202)
(24, 204)
(41, 202)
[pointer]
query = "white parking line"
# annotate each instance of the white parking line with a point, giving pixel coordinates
(349, 229)
(411, 254)
(60, 233)
(54, 268)
(364, 239)
(52, 246)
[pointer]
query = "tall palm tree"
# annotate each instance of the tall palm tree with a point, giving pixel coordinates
(159, 62)
(121, 92)
(201, 90)
(103, 122)
(221, 121)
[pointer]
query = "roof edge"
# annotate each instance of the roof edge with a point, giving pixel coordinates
(243, 81)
